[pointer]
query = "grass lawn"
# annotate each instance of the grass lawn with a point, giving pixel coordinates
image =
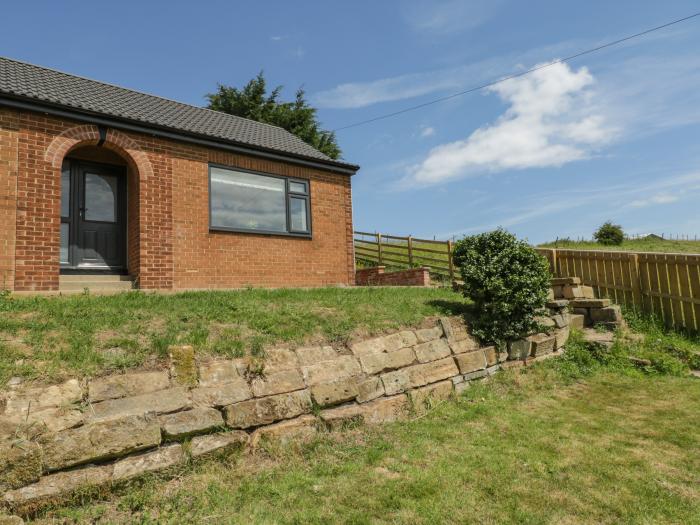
(636, 245)
(584, 438)
(50, 338)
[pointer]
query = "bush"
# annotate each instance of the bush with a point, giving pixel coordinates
(609, 234)
(507, 280)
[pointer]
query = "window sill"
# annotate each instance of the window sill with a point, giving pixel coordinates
(219, 229)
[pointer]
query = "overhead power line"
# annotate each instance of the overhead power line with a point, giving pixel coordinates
(517, 75)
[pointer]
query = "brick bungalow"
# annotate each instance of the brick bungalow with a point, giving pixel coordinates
(99, 181)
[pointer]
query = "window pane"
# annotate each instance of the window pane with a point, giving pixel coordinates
(63, 254)
(65, 191)
(297, 187)
(100, 197)
(247, 201)
(298, 215)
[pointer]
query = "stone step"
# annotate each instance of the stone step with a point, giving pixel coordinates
(95, 286)
(590, 303)
(561, 281)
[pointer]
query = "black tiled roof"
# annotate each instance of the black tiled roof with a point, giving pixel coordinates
(42, 85)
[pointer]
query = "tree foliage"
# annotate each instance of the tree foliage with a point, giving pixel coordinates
(507, 280)
(609, 234)
(253, 102)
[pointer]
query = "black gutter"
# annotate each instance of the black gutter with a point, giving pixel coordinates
(100, 119)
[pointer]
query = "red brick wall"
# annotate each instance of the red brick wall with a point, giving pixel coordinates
(376, 276)
(169, 242)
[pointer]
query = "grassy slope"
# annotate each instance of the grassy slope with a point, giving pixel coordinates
(638, 245)
(572, 440)
(49, 338)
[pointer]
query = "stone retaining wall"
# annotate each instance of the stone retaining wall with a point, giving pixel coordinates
(56, 439)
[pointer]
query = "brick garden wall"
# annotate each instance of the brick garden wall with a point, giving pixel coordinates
(376, 276)
(169, 244)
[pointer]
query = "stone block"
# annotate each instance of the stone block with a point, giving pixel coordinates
(202, 445)
(21, 402)
(190, 422)
(492, 370)
(341, 367)
(183, 367)
(542, 344)
(557, 304)
(460, 388)
(161, 402)
(20, 464)
(129, 384)
(519, 349)
(561, 320)
(267, 410)
(277, 382)
(60, 484)
(6, 519)
(609, 314)
(369, 389)
(399, 340)
(432, 350)
(424, 398)
(466, 344)
(38, 422)
(587, 292)
(432, 372)
(590, 303)
(300, 430)
(577, 321)
(572, 292)
(491, 355)
(140, 464)
(471, 376)
(328, 394)
(396, 382)
(217, 372)
(368, 346)
(425, 335)
(99, 440)
(557, 292)
(310, 355)
(446, 325)
(343, 416)
(545, 321)
(560, 281)
(280, 358)
(561, 336)
(386, 409)
(471, 361)
(376, 362)
(223, 394)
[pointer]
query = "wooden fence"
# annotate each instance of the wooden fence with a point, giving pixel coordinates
(405, 252)
(666, 285)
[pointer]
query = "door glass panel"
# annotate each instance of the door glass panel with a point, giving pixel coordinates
(297, 187)
(63, 255)
(65, 191)
(100, 197)
(298, 215)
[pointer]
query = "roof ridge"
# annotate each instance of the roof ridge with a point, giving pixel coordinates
(54, 70)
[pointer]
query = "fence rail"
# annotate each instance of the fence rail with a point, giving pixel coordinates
(666, 285)
(405, 252)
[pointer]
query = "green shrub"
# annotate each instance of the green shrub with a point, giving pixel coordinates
(609, 234)
(508, 282)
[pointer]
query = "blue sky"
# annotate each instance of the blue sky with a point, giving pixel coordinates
(614, 135)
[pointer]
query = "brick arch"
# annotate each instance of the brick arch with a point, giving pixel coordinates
(89, 135)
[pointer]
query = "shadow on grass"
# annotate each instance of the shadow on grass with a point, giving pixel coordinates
(466, 310)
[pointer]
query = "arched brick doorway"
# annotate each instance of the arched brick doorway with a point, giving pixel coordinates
(102, 172)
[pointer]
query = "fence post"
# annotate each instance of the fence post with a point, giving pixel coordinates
(636, 282)
(410, 251)
(449, 259)
(555, 270)
(379, 248)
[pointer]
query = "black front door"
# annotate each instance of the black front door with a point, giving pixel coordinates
(93, 216)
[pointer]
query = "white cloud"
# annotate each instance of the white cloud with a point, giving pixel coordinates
(551, 120)
(427, 131)
(276, 38)
(659, 198)
(448, 16)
